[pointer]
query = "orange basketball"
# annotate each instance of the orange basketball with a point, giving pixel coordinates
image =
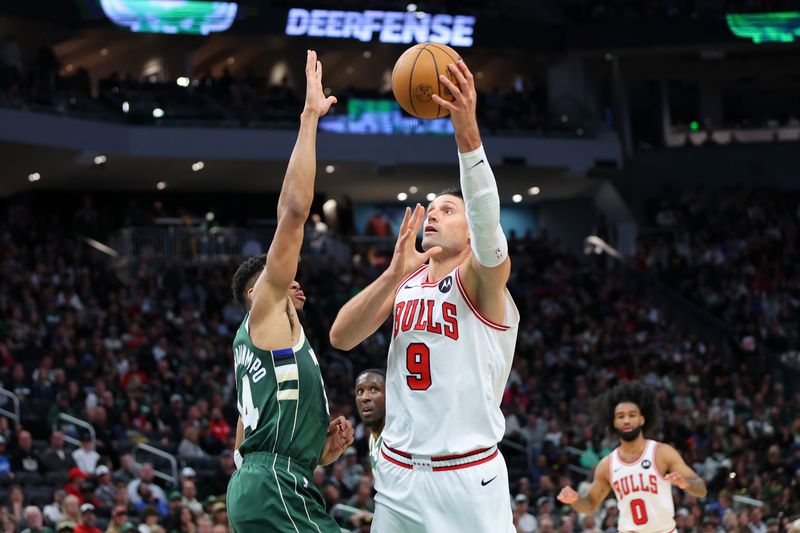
(415, 79)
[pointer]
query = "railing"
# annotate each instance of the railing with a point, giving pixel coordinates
(191, 243)
(584, 472)
(341, 511)
(15, 400)
(680, 310)
(172, 477)
(72, 421)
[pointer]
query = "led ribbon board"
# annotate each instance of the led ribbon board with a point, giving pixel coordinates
(395, 27)
(171, 16)
(368, 116)
(783, 27)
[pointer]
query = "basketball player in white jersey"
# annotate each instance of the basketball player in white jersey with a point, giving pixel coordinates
(455, 327)
(640, 471)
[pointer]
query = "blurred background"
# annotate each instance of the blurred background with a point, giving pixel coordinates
(647, 157)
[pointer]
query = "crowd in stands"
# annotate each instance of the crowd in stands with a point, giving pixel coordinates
(735, 253)
(146, 360)
(245, 100)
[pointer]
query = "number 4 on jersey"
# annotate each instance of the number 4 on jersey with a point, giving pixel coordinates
(247, 410)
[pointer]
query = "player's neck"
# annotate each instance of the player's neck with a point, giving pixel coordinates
(444, 263)
(634, 448)
(376, 431)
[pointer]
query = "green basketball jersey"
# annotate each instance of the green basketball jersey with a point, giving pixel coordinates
(374, 449)
(281, 399)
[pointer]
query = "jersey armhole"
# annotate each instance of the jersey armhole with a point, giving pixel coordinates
(655, 461)
(474, 308)
(409, 278)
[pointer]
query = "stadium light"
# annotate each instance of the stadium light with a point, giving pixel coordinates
(34, 177)
(533, 191)
(100, 159)
(197, 167)
(517, 198)
(183, 81)
(161, 185)
(402, 197)
(126, 107)
(431, 196)
(158, 112)
(329, 169)
(413, 189)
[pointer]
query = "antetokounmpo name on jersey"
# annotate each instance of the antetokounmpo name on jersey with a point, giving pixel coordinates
(421, 315)
(636, 483)
(243, 356)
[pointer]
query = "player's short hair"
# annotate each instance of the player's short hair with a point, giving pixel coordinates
(381, 372)
(452, 191)
(246, 276)
(644, 397)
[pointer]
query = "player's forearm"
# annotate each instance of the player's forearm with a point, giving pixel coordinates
(239, 433)
(482, 201)
(584, 505)
(364, 313)
(697, 487)
(468, 138)
(297, 192)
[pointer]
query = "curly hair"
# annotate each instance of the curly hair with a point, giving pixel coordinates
(628, 392)
(245, 277)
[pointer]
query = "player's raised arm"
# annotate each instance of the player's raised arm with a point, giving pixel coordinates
(487, 272)
(598, 492)
(679, 473)
(296, 195)
(366, 311)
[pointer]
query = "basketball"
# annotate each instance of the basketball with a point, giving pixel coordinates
(415, 79)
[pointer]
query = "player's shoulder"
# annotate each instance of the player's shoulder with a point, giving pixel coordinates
(601, 471)
(662, 448)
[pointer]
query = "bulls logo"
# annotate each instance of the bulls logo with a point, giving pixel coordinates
(646, 464)
(446, 284)
(423, 92)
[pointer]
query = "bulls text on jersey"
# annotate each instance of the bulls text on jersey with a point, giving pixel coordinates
(420, 314)
(636, 483)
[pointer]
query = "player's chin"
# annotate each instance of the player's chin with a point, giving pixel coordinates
(430, 240)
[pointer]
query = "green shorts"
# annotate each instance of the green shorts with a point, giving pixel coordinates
(271, 493)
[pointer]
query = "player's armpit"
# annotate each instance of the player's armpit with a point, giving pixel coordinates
(486, 287)
(669, 461)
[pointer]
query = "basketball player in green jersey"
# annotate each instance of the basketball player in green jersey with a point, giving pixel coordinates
(371, 406)
(283, 409)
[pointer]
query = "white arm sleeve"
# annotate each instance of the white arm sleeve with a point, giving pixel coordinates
(483, 208)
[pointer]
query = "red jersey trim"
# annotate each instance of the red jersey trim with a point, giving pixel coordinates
(655, 460)
(476, 312)
(409, 277)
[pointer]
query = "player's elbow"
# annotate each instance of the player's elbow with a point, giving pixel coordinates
(339, 340)
(294, 212)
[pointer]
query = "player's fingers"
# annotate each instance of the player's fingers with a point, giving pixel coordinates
(433, 252)
(462, 66)
(332, 100)
(450, 85)
(311, 58)
(404, 224)
(459, 75)
(318, 70)
(444, 103)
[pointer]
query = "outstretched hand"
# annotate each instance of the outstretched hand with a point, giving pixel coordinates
(677, 480)
(316, 101)
(465, 97)
(567, 495)
(406, 259)
(340, 436)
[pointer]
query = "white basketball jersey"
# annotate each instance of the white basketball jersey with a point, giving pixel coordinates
(447, 369)
(644, 497)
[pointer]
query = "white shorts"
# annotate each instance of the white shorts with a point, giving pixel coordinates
(471, 499)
